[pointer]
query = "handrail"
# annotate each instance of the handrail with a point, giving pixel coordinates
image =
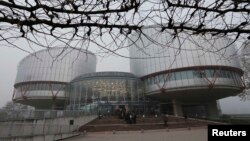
(17, 115)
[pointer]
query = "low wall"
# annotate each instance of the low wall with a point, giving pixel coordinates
(42, 137)
(44, 127)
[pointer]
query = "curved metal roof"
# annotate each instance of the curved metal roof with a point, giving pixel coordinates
(58, 48)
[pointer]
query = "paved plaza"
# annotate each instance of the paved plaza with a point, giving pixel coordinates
(198, 134)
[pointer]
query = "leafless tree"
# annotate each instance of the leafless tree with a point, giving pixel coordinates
(109, 23)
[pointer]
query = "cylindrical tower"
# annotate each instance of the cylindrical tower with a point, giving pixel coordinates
(42, 76)
(186, 69)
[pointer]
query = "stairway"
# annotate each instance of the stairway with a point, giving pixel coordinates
(113, 123)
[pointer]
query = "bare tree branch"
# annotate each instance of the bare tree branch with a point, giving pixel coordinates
(109, 24)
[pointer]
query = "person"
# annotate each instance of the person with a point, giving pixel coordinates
(108, 113)
(166, 120)
(122, 115)
(99, 115)
(134, 118)
(127, 118)
(185, 117)
(130, 118)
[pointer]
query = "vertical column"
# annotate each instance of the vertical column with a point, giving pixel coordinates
(177, 108)
(86, 96)
(74, 94)
(212, 110)
(80, 95)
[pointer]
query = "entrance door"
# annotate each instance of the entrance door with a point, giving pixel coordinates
(166, 108)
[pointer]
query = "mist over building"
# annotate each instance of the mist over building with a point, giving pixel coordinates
(186, 77)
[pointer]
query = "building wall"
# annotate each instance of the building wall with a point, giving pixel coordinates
(105, 91)
(186, 52)
(240, 105)
(55, 65)
(44, 74)
(185, 62)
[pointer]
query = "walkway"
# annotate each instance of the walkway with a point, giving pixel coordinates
(195, 134)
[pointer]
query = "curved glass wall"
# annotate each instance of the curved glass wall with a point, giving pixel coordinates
(106, 93)
(194, 77)
(185, 51)
(43, 86)
(194, 74)
(43, 90)
(43, 75)
(183, 57)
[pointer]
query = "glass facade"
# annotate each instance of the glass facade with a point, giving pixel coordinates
(210, 74)
(185, 51)
(105, 92)
(183, 56)
(42, 86)
(46, 73)
(41, 89)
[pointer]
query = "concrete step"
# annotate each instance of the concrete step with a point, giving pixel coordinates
(133, 127)
(147, 123)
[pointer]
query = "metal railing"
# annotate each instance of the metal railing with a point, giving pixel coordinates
(19, 115)
(21, 123)
(29, 129)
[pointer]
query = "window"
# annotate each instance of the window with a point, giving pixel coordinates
(161, 78)
(172, 76)
(228, 74)
(209, 73)
(184, 75)
(178, 75)
(197, 74)
(190, 74)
